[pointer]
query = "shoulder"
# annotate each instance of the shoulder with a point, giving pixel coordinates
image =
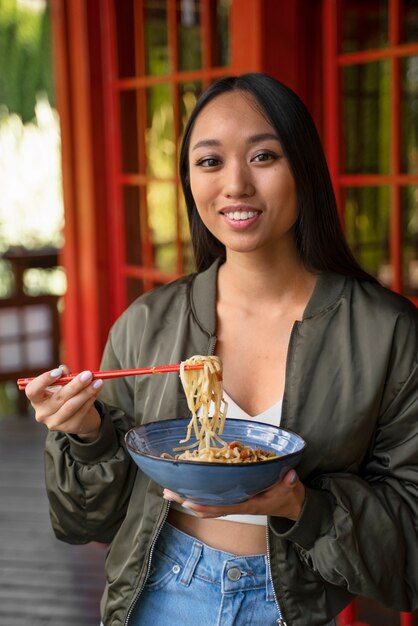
(380, 303)
(384, 322)
(165, 301)
(176, 290)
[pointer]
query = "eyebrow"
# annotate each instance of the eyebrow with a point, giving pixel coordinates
(208, 143)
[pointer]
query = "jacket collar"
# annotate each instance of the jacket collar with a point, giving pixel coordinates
(203, 297)
(328, 290)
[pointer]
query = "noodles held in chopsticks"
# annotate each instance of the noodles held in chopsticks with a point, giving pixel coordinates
(203, 389)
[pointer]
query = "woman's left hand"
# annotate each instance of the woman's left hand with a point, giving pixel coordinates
(283, 499)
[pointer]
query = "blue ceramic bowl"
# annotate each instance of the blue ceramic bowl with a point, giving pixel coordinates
(214, 483)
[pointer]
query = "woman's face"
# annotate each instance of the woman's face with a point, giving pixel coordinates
(241, 182)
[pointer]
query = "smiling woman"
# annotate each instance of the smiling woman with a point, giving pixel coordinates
(308, 341)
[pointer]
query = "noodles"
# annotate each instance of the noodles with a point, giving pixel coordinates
(203, 389)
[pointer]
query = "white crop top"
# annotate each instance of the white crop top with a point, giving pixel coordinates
(269, 416)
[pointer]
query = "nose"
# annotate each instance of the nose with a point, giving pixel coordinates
(238, 182)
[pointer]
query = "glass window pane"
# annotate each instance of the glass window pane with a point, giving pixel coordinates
(134, 288)
(187, 251)
(128, 126)
(409, 199)
(133, 251)
(157, 60)
(188, 95)
(39, 352)
(125, 34)
(367, 213)
(189, 35)
(222, 42)
(409, 21)
(37, 318)
(366, 118)
(11, 357)
(161, 152)
(9, 322)
(162, 221)
(364, 24)
(409, 115)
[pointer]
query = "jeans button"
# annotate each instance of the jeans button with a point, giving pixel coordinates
(176, 569)
(234, 573)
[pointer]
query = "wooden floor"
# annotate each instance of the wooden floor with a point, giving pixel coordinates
(42, 580)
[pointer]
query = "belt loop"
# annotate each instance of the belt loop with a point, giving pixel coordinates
(192, 561)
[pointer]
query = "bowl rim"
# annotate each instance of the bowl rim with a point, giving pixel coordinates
(215, 463)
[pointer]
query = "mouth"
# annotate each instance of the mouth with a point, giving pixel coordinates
(240, 213)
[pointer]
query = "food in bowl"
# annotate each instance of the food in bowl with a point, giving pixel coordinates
(201, 470)
(203, 389)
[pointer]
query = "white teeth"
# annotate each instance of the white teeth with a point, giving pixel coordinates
(241, 215)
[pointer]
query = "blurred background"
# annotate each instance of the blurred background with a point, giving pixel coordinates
(31, 206)
(94, 96)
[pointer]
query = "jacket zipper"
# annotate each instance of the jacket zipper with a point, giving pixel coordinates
(280, 621)
(154, 541)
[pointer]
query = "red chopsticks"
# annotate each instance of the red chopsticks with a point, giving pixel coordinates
(158, 369)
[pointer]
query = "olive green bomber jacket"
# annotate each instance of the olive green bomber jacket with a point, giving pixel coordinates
(351, 391)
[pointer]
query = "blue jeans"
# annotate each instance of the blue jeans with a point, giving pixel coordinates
(191, 583)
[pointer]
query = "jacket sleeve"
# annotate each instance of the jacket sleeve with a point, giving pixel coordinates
(360, 531)
(89, 484)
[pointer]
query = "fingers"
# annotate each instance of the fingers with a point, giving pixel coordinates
(205, 511)
(36, 390)
(290, 478)
(71, 400)
(172, 497)
(283, 499)
(68, 408)
(77, 415)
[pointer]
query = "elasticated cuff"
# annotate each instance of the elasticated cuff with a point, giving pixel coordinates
(314, 521)
(104, 447)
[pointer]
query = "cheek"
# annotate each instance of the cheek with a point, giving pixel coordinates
(195, 188)
(286, 190)
(201, 192)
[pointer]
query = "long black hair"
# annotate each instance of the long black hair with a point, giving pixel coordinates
(318, 234)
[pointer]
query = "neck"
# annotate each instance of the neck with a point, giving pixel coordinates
(249, 277)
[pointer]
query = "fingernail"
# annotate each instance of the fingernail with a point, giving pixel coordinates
(85, 376)
(293, 478)
(186, 506)
(98, 383)
(169, 495)
(56, 372)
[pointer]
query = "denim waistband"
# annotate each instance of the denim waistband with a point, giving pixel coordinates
(232, 573)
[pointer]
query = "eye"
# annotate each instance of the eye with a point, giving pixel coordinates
(261, 157)
(208, 162)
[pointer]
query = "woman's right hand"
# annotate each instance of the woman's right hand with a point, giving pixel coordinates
(68, 408)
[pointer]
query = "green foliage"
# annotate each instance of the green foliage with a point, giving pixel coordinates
(8, 400)
(25, 57)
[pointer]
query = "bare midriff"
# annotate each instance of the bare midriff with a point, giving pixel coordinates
(233, 537)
